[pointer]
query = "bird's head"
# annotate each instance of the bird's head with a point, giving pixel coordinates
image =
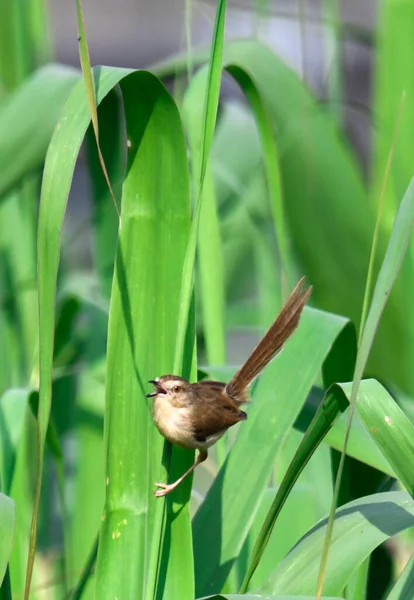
(171, 388)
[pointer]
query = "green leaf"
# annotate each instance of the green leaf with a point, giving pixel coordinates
(148, 109)
(142, 330)
(211, 280)
(90, 94)
(388, 426)
(360, 526)
(105, 219)
(400, 237)
(211, 102)
(7, 522)
(392, 79)
(360, 444)
(23, 142)
(271, 160)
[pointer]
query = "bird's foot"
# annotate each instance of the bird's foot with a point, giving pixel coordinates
(165, 489)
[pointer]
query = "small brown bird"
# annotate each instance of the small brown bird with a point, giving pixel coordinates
(196, 415)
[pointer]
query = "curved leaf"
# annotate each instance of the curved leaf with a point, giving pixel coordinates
(387, 425)
(142, 328)
(359, 527)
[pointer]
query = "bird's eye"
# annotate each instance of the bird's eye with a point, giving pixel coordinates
(176, 388)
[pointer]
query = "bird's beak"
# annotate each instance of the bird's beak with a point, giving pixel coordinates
(158, 389)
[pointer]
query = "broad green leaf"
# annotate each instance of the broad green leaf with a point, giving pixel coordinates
(142, 329)
(223, 521)
(24, 141)
(360, 444)
(147, 105)
(7, 523)
(360, 526)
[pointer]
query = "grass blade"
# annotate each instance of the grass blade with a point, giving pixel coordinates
(271, 161)
(211, 280)
(90, 93)
(209, 122)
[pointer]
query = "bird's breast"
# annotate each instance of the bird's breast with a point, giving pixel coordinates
(174, 423)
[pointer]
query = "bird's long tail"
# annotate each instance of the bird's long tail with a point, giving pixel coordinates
(282, 328)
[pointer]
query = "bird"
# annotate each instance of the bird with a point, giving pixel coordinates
(196, 415)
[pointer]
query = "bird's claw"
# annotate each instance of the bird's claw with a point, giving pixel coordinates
(165, 489)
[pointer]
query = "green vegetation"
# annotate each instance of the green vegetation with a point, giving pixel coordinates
(214, 212)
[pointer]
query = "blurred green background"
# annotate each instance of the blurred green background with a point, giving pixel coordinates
(296, 165)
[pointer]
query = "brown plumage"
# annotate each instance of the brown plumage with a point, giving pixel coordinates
(272, 342)
(196, 415)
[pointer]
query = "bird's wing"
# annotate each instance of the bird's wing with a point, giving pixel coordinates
(215, 412)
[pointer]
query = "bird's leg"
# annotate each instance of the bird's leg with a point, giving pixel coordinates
(167, 488)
